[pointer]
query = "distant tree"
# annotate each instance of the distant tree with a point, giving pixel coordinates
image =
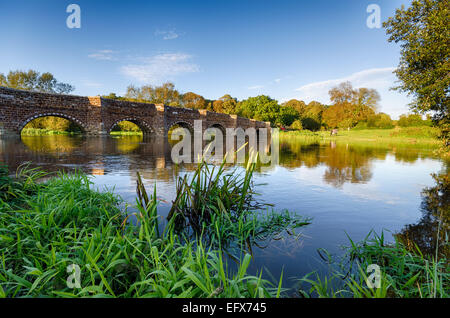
(163, 94)
(298, 105)
(350, 106)
(380, 120)
(226, 104)
(34, 81)
(287, 116)
(423, 31)
(261, 108)
(195, 101)
(297, 125)
(413, 120)
(312, 117)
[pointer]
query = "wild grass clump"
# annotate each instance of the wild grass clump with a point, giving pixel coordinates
(404, 273)
(47, 227)
(219, 207)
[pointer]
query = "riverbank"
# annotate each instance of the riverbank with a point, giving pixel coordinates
(45, 132)
(420, 136)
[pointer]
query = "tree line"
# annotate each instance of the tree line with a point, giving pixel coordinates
(350, 107)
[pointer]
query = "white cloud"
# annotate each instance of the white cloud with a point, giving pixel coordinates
(104, 55)
(158, 68)
(255, 87)
(277, 80)
(382, 79)
(167, 35)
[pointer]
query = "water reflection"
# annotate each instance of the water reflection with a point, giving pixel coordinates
(345, 163)
(346, 188)
(431, 233)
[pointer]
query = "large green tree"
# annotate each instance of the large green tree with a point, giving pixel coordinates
(261, 107)
(423, 31)
(34, 81)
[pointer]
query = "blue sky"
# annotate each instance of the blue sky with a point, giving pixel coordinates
(284, 49)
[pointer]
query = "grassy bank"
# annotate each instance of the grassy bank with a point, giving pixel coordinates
(126, 133)
(42, 132)
(421, 136)
(46, 227)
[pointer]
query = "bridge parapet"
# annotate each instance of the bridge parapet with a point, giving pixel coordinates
(97, 115)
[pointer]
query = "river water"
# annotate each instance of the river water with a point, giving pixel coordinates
(347, 189)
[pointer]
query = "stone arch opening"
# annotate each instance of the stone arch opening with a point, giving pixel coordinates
(178, 124)
(51, 121)
(142, 126)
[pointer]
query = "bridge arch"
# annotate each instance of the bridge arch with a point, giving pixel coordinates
(181, 123)
(53, 114)
(219, 126)
(142, 124)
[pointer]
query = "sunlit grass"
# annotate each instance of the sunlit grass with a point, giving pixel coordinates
(414, 136)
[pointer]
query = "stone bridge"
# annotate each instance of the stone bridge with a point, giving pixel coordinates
(97, 115)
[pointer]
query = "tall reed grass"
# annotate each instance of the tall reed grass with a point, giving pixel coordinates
(46, 227)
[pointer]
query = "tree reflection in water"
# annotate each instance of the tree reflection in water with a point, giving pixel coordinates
(432, 230)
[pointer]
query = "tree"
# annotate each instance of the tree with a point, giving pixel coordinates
(195, 101)
(423, 31)
(297, 125)
(261, 108)
(312, 117)
(163, 94)
(350, 106)
(287, 115)
(226, 104)
(298, 105)
(34, 81)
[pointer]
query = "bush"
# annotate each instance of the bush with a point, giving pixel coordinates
(297, 125)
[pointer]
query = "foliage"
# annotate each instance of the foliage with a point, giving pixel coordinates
(350, 106)
(287, 115)
(226, 104)
(411, 120)
(423, 32)
(163, 94)
(297, 125)
(64, 221)
(127, 126)
(404, 273)
(261, 108)
(50, 125)
(220, 207)
(34, 81)
(194, 101)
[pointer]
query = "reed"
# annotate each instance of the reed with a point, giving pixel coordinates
(47, 226)
(404, 273)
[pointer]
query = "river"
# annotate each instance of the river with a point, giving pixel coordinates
(347, 189)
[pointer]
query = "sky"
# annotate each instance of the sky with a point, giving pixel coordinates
(284, 49)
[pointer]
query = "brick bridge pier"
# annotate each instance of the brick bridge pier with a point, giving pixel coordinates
(97, 115)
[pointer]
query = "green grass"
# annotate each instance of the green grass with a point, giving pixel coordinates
(125, 133)
(420, 136)
(220, 207)
(64, 221)
(41, 132)
(45, 227)
(405, 273)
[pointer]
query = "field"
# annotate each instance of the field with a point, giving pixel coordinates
(420, 136)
